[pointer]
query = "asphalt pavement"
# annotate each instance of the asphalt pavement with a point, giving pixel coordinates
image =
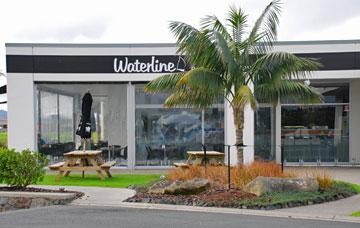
(93, 216)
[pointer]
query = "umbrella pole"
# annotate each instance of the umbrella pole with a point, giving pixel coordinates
(84, 148)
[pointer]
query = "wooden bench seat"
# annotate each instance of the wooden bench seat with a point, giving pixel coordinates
(181, 165)
(106, 167)
(108, 164)
(56, 166)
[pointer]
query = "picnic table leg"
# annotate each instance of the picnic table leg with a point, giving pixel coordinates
(99, 171)
(67, 173)
(58, 177)
(100, 174)
(107, 171)
(82, 163)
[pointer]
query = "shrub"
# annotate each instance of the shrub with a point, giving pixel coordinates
(21, 169)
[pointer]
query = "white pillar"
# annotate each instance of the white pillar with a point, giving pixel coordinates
(230, 134)
(21, 111)
(130, 114)
(354, 143)
(249, 134)
(278, 133)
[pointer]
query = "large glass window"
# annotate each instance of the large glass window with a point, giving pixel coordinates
(59, 112)
(163, 135)
(66, 119)
(56, 124)
(317, 133)
(264, 134)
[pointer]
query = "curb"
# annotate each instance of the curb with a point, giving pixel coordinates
(227, 211)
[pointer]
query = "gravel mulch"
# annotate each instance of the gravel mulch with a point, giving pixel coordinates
(211, 197)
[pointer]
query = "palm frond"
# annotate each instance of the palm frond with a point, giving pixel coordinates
(164, 83)
(226, 55)
(211, 22)
(243, 96)
(194, 98)
(237, 20)
(296, 91)
(196, 46)
(265, 29)
(281, 65)
(202, 79)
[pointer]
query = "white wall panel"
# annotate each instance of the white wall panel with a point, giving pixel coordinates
(21, 115)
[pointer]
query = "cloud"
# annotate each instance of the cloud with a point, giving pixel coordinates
(314, 16)
(91, 28)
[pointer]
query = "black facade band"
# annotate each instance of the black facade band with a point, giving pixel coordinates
(145, 64)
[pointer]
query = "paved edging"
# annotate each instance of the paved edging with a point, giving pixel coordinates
(236, 211)
(24, 200)
(48, 195)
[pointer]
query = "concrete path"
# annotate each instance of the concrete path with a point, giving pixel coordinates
(342, 207)
(97, 196)
(349, 174)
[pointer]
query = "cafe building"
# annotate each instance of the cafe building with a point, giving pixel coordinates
(46, 83)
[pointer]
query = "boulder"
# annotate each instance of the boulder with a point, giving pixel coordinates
(159, 187)
(261, 185)
(188, 187)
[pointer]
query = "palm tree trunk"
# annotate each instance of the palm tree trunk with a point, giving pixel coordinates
(239, 127)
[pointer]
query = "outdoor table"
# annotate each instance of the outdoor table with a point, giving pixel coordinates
(196, 157)
(89, 160)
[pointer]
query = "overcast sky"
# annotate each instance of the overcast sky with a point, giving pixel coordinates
(145, 21)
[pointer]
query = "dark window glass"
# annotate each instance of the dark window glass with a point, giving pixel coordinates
(315, 133)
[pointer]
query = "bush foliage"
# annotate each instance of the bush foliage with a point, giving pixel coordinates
(21, 169)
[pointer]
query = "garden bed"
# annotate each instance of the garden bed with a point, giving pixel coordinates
(236, 198)
(14, 198)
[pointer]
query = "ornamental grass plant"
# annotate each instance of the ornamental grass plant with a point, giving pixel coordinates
(240, 175)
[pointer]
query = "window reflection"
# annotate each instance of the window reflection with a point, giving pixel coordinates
(163, 136)
(315, 133)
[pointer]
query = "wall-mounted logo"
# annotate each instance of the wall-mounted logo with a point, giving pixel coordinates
(149, 64)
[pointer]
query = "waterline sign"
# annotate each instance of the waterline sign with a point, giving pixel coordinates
(150, 64)
(93, 64)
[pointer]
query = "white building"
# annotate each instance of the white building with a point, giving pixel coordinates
(46, 83)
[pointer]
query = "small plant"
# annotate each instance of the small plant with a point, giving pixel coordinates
(20, 169)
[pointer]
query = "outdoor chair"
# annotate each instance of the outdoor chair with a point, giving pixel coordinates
(154, 154)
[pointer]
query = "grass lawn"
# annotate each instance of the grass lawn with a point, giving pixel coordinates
(356, 214)
(3, 138)
(117, 181)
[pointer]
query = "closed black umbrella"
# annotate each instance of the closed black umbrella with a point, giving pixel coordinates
(84, 128)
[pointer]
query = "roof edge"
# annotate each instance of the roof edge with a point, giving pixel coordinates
(155, 45)
(87, 45)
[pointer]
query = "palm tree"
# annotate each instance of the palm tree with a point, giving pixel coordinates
(229, 61)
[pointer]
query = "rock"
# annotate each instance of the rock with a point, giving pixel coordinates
(39, 202)
(188, 187)
(193, 186)
(3, 200)
(20, 202)
(159, 187)
(261, 185)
